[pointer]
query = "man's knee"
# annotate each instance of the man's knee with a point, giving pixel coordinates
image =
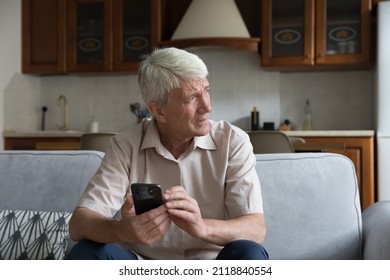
(90, 250)
(243, 250)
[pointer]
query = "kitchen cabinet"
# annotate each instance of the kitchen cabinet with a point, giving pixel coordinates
(316, 34)
(42, 143)
(106, 35)
(43, 36)
(62, 36)
(361, 151)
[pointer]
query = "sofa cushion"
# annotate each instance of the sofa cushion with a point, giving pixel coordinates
(51, 181)
(33, 235)
(311, 206)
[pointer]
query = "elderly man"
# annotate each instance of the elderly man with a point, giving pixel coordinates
(212, 203)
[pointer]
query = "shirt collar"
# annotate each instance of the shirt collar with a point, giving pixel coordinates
(152, 138)
(204, 142)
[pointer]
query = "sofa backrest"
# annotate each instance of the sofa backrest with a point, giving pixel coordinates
(45, 180)
(311, 200)
(311, 206)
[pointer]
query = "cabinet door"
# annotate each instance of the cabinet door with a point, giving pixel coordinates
(287, 32)
(343, 32)
(33, 143)
(89, 35)
(43, 36)
(136, 31)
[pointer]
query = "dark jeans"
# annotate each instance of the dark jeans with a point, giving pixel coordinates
(236, 250)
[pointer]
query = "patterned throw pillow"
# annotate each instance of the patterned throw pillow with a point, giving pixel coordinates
(33, 235)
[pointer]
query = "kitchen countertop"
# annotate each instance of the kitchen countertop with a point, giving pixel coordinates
(43, 134)
(330, 133)
(296, 133)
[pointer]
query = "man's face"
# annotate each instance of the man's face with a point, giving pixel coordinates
(187, 112)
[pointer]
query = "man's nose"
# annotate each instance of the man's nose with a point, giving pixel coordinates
(205, 103)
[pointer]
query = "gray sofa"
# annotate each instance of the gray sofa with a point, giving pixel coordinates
(311, 205)
(42, 188)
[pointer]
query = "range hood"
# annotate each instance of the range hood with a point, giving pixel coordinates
(213, 23)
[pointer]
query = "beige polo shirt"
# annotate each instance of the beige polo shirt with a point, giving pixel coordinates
(218, 170)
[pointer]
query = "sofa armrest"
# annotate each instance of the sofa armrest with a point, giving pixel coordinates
(376, 231)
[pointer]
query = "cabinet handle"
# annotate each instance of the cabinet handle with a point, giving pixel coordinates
(321, 55)
(307, 55)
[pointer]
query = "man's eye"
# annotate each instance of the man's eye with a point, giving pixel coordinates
(192, 98)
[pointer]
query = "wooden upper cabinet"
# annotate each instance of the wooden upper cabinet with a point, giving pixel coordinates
(137, 30)
(343, 32)
(43, 36)
(329, 34)
(61, 36)
(89, 37)
(110, 35)
(287, 33)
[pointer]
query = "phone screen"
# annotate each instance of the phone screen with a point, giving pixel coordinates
(146, 197)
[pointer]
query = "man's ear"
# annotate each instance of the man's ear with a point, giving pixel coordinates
(157, 112)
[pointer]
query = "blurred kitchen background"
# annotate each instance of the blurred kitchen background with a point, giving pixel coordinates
(340, 100)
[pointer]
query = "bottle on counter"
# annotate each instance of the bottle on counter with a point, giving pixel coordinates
(307, 121)
(255, 119)
(94, 125)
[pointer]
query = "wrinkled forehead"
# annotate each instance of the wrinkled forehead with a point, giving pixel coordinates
(196, 85)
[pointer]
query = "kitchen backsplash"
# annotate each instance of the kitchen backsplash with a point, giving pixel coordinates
(339, 100)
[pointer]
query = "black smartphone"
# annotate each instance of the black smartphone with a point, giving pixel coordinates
(146, 197)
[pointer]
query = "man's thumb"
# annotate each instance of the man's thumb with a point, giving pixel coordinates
(128, 204)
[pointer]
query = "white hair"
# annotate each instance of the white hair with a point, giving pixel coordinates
(167, 69)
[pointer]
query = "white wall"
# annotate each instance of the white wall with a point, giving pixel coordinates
(340, 100)
(19, 94)
(9, 48)
(236, 86)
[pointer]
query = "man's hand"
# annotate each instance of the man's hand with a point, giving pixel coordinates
(184, 211)
(146, 228)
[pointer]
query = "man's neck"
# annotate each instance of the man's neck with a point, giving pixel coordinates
(174, 145)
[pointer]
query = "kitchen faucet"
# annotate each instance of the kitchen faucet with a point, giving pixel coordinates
(65, 126)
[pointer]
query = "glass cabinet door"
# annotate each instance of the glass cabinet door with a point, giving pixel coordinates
(342, 31)
(90, 33)
(288, 28)
(90, 24)
(316, 32)
(288, 32)
(343, 27)
(136, 29)
(134, 25)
